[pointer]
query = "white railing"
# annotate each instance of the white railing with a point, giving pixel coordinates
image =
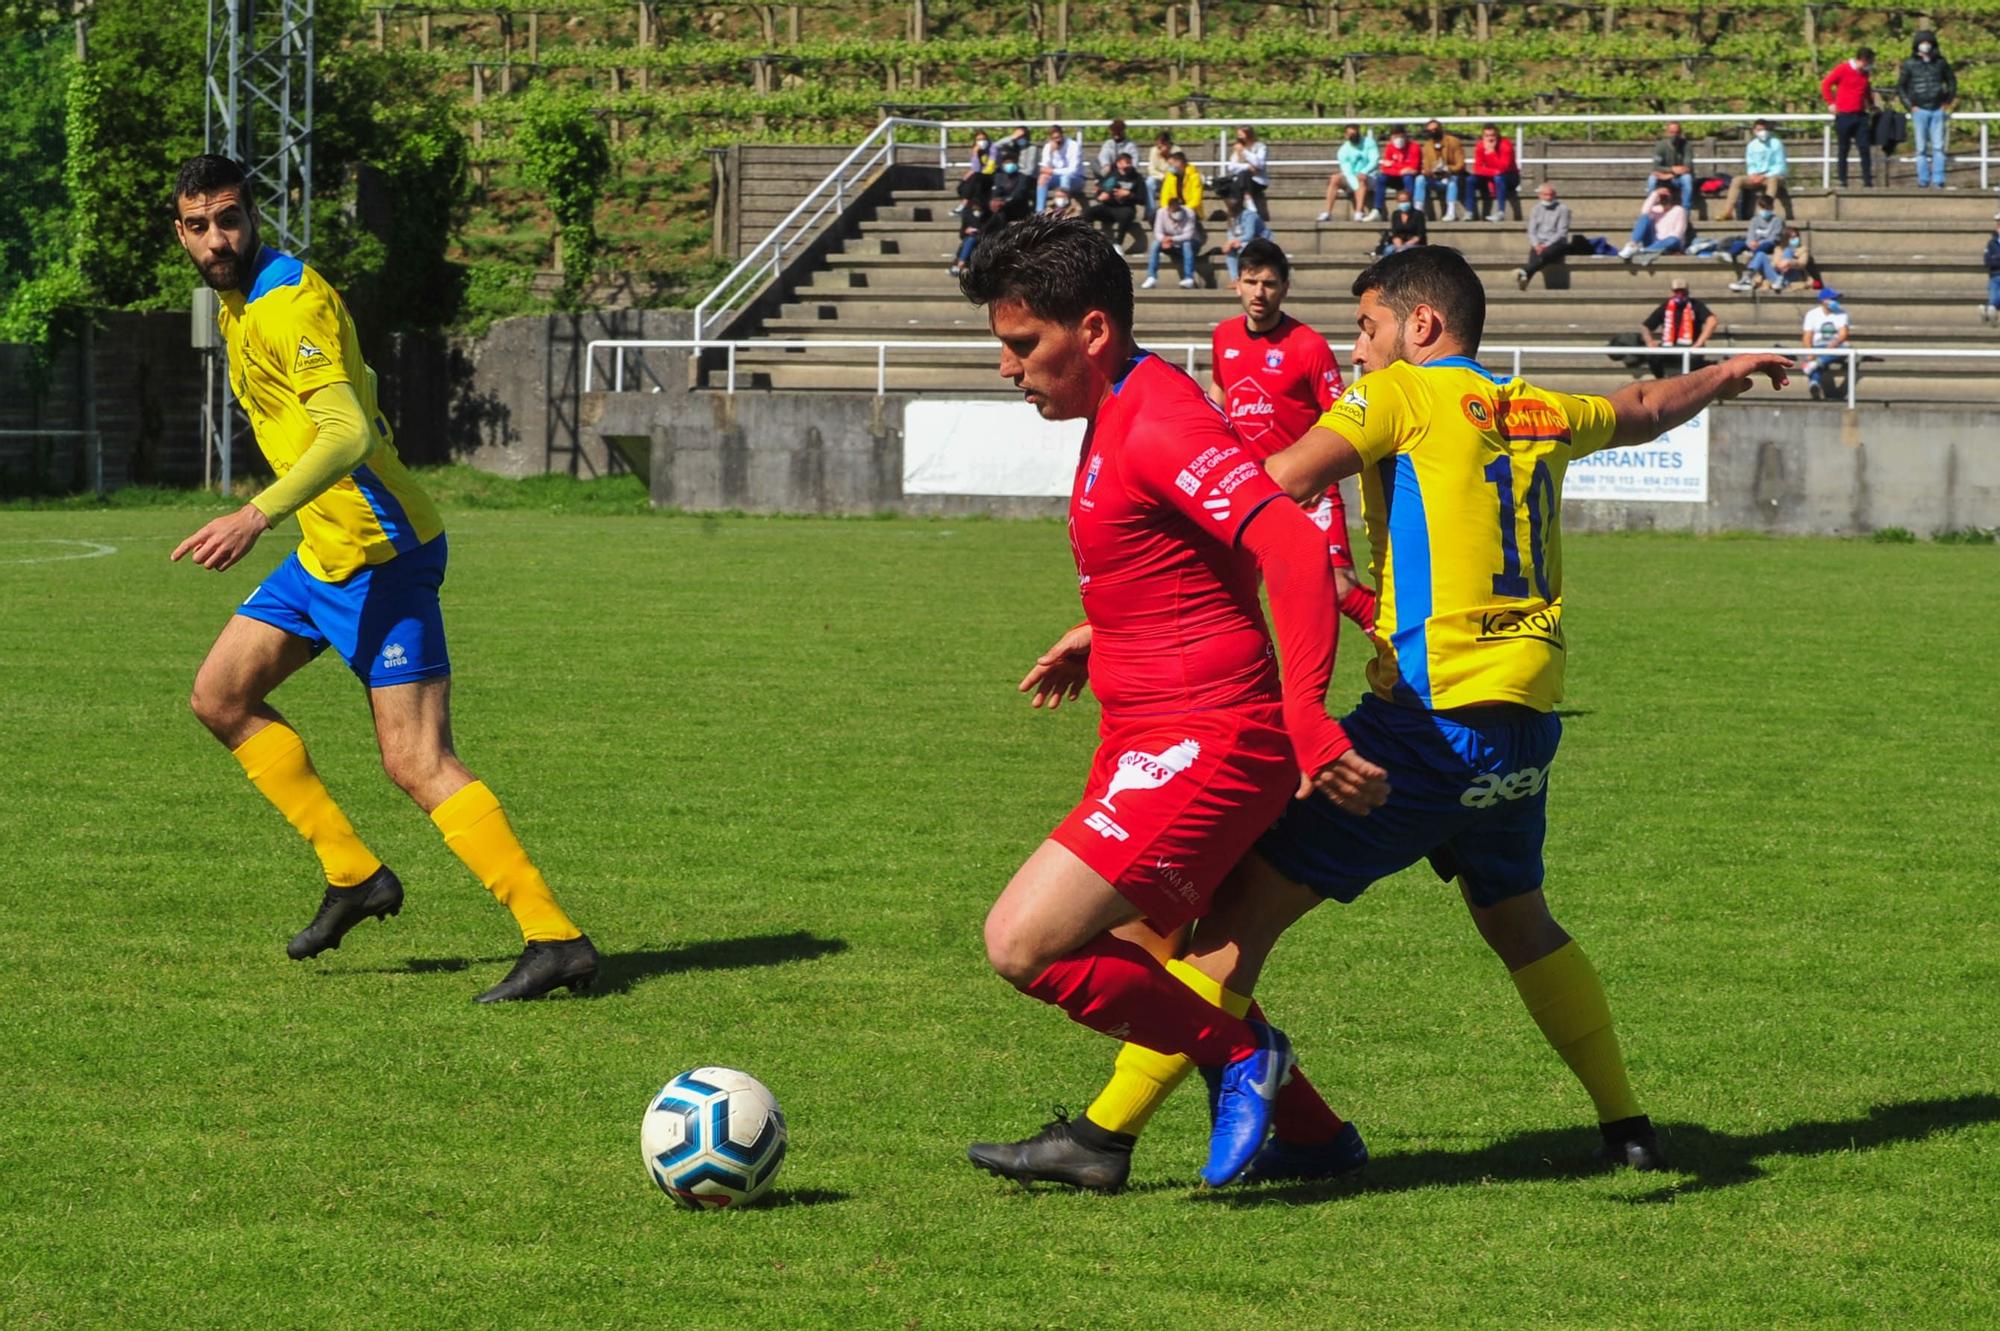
(1188, 352)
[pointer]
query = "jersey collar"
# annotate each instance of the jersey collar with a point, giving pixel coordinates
(1462, 363)
(1139, 358)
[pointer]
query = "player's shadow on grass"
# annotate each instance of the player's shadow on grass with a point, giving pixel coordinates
(618, 972)
(1703, 1159)
(783, 1198)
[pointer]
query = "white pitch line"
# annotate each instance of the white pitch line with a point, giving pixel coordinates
(91, 550)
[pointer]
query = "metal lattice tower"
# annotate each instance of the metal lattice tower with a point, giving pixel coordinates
(260, 110)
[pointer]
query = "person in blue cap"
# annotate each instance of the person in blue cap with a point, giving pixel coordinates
(1826, 326)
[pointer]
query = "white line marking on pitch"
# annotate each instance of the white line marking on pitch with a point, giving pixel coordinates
(91, 550)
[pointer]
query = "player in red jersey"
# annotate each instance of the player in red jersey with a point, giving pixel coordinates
(1274, 377)
(1172, 522)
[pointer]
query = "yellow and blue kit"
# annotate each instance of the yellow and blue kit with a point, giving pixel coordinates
(1461, 496)
(371, 554)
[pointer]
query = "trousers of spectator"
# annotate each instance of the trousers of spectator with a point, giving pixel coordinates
(1760, 264)
(1683, 183)
(1993, 289)
(1425, 184)
(965, 248)
(1829, 372)
(1850, 129)
(1116, 219)
(1153, 184)
(1071, 181)
(1385, 182)
(1495, 188)
(1554, 254)
(1644, 233)
(1741, 198)
(1187, 259)
(1927, 135)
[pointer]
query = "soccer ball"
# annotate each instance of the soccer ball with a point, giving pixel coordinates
(713, 1137)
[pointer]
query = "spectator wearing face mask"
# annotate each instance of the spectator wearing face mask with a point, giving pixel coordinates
(1022, 146)
(1444, 168)
(1177, 228)
(1764, 169)
(1182, 185)
(1928, 88)
(1401, 167)
(1407, 228)
(1246, 225)
(1062, 167)
(1760, 241)
(1849, 94)
(1991, 309)
(1494, 172)
(1662, 227)
(1671, 166)
(1356, 161)
(1793, 262)
(1007, 201)
(1159, 165)
(1063, 204)
(977, 182)
(1826, 327)
(1548, 235)
(1678, 321)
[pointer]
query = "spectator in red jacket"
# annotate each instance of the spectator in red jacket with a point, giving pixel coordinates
(1402, 164)
(1494, 171)
(1849, 94)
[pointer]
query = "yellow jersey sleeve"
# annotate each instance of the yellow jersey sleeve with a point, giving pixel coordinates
(1592, 420)
(304, 335)
(1370, 415)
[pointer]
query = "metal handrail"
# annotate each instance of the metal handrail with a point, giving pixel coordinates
(618, 346)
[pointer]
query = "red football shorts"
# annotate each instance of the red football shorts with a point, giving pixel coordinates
(1173, 802)
(1330, 516)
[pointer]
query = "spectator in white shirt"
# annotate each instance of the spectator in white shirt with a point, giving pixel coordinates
(1246, 175)
(1825, 326)
(1062, 166)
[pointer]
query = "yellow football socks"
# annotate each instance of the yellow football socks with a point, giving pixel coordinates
(1567, 1001)
(1144, 1078)
(475, 827)
(276, 762)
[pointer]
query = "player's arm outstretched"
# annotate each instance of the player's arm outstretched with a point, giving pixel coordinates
(1649, 409)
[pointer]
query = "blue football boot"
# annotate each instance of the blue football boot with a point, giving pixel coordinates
(1244, 1092)
(1285, 1162)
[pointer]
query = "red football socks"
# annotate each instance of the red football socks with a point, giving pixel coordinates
(1118, 989)
(1359, 605)
(1300, 1115)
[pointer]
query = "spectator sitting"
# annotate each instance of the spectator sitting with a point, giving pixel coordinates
(1792, 261)
(1848, 93)
(1062, 204)
(1007, 201)
(1159, 165)
(1825, 327)
(1678, 321)
(1495, 171)
(1407, 228)
(1401, 167)
(1116, 146)
(1116, 208)
(1671, 166)
(1175, 225)
(977, 182)
(1246, 227)
(1357, 157)
(1062, 167)
(1991, 309)
(1662, 227)
(1928, 88)
(1548, 235)
(1760, 241)
(1022, 147)
(1444, 165)
(1764, 168)
(1182, 185)
(1246, 175)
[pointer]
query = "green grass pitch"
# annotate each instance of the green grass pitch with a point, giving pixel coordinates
(778, 770)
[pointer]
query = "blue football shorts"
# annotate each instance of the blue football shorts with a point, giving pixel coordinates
(385, 620)
(1468, 791)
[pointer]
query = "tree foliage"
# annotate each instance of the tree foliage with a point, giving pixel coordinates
(565, 153)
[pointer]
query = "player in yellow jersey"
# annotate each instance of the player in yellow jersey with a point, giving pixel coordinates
(1461, 491)
(364, 581)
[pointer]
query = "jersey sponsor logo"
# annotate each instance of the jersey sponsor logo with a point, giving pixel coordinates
(1262, 406)
(1138, 770)
(1218, 508)
(1186, 482)
(310, 356)
(1234, 480)
(1544, 625)
(1354, 405)
(1100, 823)
(1489, 789)
(1183, 886)
(1273, 359)
(1208, 460)
(1477, 410)
(394, 657)
(1230, 353)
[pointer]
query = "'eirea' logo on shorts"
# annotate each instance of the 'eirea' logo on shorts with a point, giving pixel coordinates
(393, 656)
(1489, 790)
(310, 356)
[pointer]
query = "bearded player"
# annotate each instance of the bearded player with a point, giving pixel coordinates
(364, 581)
(1273, 377)
(1461, 482)
(1172, 521)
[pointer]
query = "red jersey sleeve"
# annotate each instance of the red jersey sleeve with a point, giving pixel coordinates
(1327, 385)
(1194, 464)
